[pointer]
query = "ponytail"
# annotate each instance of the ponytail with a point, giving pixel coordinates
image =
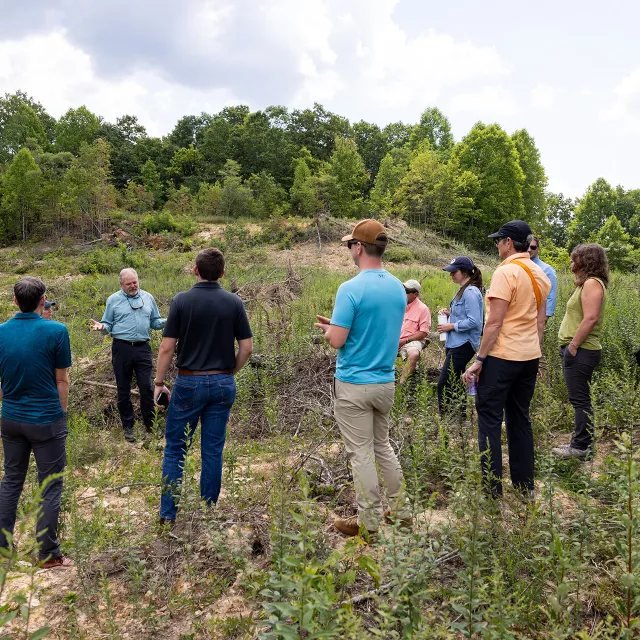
(475, 280)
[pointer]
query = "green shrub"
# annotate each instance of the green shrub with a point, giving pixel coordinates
(164, 221)
(398, 254)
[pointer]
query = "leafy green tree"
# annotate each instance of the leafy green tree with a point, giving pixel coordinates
(560, 211)
(597, 205)
(236, 196)
(627, 205)
(137, 199)
(88, 193)
(346, 179)
(189, 131)
(437, 194)
(21, 118)
(616, 242)
(535, 180)
(397, 135)
(303, 194)
(317, 130)
(54, 167)
(489, 153)
(75, 127)
(187, 167)
(150, 180)
(434, 128)
(20, 201)
(372, 146)
(208, 200)
(392, 169)
(268, 195)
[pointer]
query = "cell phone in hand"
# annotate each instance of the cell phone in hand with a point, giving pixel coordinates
(163, 399)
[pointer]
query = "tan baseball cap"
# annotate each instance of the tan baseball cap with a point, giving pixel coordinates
(368, 231)
(413, 284)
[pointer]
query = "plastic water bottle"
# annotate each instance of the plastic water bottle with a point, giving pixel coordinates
(442, 318)
(472, 389)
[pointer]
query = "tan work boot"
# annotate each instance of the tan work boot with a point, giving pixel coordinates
(349, 526)
(403, 523)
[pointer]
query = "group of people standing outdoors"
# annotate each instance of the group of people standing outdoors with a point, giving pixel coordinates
(376, 318)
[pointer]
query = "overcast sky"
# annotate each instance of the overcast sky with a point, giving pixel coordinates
(568, 71)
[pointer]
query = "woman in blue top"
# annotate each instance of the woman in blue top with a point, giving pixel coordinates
(464, 329)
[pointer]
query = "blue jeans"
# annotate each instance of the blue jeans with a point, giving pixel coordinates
(207, 398)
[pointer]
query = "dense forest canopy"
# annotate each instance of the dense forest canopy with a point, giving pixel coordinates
(69, 175)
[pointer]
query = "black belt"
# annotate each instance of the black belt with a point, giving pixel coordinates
(133, 344)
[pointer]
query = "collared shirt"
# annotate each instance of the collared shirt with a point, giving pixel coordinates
(467, 316)
(31, 349)
(518, 338)
(131, 317)
(206, 320)
(550, 272)
(417, 317)
(371, 306)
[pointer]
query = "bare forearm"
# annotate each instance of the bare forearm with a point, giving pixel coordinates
(418, 335)
(491, 333)
(241, 359)
(63, 393)
(164, 360)
(585, 328)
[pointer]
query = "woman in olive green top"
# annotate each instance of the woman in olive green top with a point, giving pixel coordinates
(579, 338)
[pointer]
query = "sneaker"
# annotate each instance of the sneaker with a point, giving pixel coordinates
(166, 522)
(349, 526)
(61, 561)
(128, 435)
(403, 523)
(567, 451)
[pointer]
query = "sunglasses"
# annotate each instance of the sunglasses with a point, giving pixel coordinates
(352, 242)
(410, 291)
(533, 247)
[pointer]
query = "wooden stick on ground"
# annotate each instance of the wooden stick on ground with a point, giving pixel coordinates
(134, 392)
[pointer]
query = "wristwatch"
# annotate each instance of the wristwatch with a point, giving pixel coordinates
(158, 384)
(481, 358)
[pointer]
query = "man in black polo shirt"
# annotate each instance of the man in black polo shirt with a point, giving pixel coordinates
(204, 323)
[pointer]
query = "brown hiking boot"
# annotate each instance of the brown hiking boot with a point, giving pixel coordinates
(403, 523)
(62, 561)
(349, 526)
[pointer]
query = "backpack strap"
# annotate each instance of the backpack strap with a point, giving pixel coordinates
(536, 286)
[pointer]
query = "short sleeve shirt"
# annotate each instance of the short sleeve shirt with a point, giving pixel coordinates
(207, 320)
(31, 349)
(371, 306)
(518, 337)
(417, 317)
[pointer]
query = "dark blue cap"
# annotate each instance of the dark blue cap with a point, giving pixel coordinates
(461, 262)
(517, 230)
(48, 305)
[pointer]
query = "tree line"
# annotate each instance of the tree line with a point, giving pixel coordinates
(69, 175)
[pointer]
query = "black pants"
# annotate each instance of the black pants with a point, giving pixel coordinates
(128, 359)
(577, 373)
(505, 388)
(48, 443)
(451, 391)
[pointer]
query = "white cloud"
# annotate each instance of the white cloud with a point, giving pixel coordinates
(543, 96)
(625, 110)
(488, 103)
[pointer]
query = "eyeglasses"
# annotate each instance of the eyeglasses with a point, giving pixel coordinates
(137, 299)
(533, 247)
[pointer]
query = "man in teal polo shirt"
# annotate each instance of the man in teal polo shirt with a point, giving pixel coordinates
(365, 328)
(129, 316)
(34, 359)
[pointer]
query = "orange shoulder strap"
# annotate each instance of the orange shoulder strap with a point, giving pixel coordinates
(536, 286)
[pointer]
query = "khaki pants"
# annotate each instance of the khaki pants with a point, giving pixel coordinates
(362, 414)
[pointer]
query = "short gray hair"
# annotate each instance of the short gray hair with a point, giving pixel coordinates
(128, 270)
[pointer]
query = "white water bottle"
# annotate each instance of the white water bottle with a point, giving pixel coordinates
(442, 318)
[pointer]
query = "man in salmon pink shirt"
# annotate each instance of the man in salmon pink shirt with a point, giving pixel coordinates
(415, 329)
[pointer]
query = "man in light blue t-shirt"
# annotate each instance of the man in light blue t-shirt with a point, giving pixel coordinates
(365, 328)
(549, 271)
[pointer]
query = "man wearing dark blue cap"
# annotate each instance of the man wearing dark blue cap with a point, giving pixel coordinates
(507, 362)
(47, 312)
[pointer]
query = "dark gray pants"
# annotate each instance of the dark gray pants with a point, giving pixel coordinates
(48, 442)
(577, 373)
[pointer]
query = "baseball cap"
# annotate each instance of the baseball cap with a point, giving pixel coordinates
(48, 305)
(413, 284)
(368, 231)
(517, 230)
(460, 262)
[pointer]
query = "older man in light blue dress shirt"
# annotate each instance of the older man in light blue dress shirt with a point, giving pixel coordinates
(128, 318)
(549, 271)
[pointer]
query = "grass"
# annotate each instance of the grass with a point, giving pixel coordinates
(266, 562)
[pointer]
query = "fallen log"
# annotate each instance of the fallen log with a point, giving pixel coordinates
(134, 392)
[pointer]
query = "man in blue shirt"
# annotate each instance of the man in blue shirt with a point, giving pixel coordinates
(549, 271)
(34, 360)
(365, 328)
(129, 316)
